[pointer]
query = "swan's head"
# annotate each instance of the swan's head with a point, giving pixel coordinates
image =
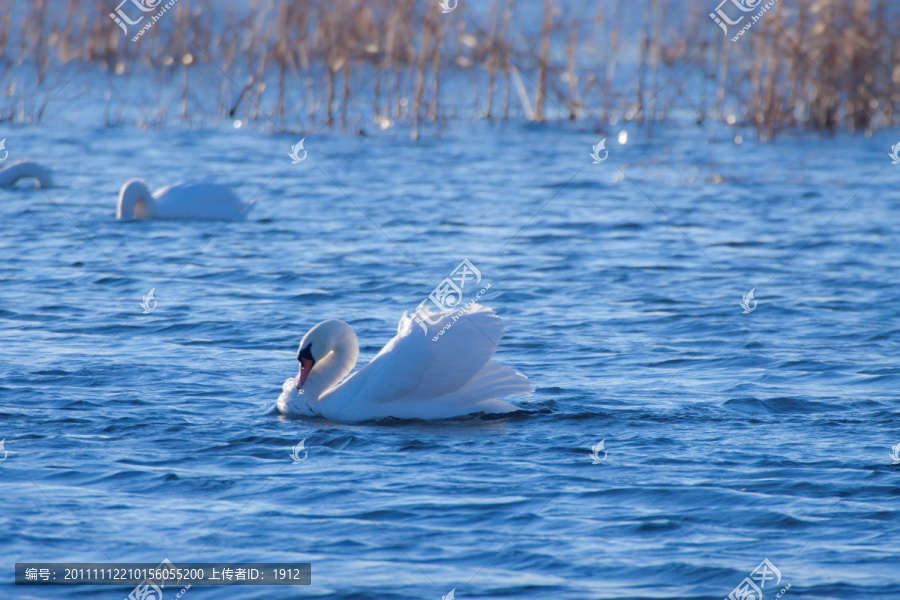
(133, 199)
(327, 337)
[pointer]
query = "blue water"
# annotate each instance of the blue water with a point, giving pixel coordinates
(731, 437)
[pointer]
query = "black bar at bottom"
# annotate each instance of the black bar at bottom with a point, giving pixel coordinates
(163, 575)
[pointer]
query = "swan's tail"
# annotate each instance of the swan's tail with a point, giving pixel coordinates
(492, 381)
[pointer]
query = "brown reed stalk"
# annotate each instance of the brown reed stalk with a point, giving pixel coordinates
(543, 61)
(821, 64)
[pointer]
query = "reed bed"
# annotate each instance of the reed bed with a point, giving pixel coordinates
(302, 65)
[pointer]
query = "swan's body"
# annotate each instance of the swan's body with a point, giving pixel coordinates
(206, 201)
(413, 377)
(25, 169)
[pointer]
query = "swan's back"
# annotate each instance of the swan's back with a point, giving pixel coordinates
(26, 169)
(198, 201)
(431, 375)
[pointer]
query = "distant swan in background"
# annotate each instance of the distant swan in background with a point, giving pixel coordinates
(206, 201)
(25, 169)
(413, 377)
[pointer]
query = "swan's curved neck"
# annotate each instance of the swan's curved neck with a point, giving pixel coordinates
(333, 367)
(25, 170)
(135, 201)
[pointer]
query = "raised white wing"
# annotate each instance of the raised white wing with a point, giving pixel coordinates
(450, 368)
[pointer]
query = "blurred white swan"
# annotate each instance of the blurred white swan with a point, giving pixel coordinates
(25, 169)
(413, 377)
(204, 201)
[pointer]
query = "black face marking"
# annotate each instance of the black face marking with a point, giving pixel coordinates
(307, 354)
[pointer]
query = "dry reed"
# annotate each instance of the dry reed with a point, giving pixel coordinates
(305, 64)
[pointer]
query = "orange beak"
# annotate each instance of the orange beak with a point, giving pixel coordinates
(305, 367)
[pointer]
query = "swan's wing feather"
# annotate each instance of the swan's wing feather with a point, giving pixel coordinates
(416, 366)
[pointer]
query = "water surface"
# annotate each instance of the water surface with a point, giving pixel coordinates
(731, 437)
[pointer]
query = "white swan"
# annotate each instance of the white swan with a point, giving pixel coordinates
(413, 377)
(205, 201)
(25, 169)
